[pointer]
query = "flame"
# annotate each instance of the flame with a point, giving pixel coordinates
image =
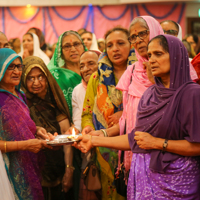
(73, 132)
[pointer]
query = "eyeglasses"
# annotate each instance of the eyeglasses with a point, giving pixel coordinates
(13, 66)
(171, 32)
(33, 79)
(68, 46)
(143, 34)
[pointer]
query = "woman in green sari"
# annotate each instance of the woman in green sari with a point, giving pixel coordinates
(65, 66)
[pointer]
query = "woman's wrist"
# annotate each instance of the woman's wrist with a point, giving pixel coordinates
(70, 167)
(158, 143)
(104, 132)
(113, 131)
(89, 126)
(10, 146)
(91, 141)
(23, 145)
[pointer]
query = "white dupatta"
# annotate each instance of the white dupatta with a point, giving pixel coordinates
(6, 191)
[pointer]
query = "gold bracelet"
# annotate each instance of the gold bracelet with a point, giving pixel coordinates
(104, 132)
(5, 147)
(69, 166)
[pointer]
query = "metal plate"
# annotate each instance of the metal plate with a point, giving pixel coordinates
(61, 140)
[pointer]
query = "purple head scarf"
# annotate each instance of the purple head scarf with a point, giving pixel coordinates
(169, 113)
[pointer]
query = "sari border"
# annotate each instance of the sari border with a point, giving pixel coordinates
(6, 62)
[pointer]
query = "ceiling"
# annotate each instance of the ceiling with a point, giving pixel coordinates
(83, 2)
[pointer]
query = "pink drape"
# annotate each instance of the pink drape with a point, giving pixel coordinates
(101, 24)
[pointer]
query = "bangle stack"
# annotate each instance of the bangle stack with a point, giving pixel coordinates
(104, 132)
(69, 166)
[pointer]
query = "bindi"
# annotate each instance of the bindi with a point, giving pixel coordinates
(70, 40)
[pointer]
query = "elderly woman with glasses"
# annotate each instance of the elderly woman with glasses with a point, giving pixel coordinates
(65, 68)
(17, 131)
(48, 109)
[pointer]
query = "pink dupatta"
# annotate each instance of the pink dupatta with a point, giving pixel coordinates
(133, 83)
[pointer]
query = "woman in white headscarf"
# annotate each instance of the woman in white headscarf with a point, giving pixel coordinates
(31, 47)
(90, 40)
(172, 28)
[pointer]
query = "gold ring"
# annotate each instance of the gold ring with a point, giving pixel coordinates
(112, 123)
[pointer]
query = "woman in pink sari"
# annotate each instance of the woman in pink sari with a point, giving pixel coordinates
(135, 80)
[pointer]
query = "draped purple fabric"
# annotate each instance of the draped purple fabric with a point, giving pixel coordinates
(170, 113)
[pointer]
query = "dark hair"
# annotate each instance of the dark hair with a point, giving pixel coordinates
(187, 45)
(177, 27)
(117, 28)
(86, 32)
(162, 41)
(99, 43)
(195, 37)
(14, 39)
(82, 29)
(39, 34)
(28, 34)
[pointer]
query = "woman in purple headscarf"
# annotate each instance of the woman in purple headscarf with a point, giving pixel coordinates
(165, 142)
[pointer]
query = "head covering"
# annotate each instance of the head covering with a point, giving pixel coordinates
(133, 83)
(32, 62)
(7, 56)
(36, 49)
(155, 29)
(101, 40)
(94, 45)
(56, 60)
(165, 112)
(179, 36)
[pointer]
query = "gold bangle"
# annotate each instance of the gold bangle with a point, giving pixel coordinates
(104, 132)
(5, 147)
(69, 166)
